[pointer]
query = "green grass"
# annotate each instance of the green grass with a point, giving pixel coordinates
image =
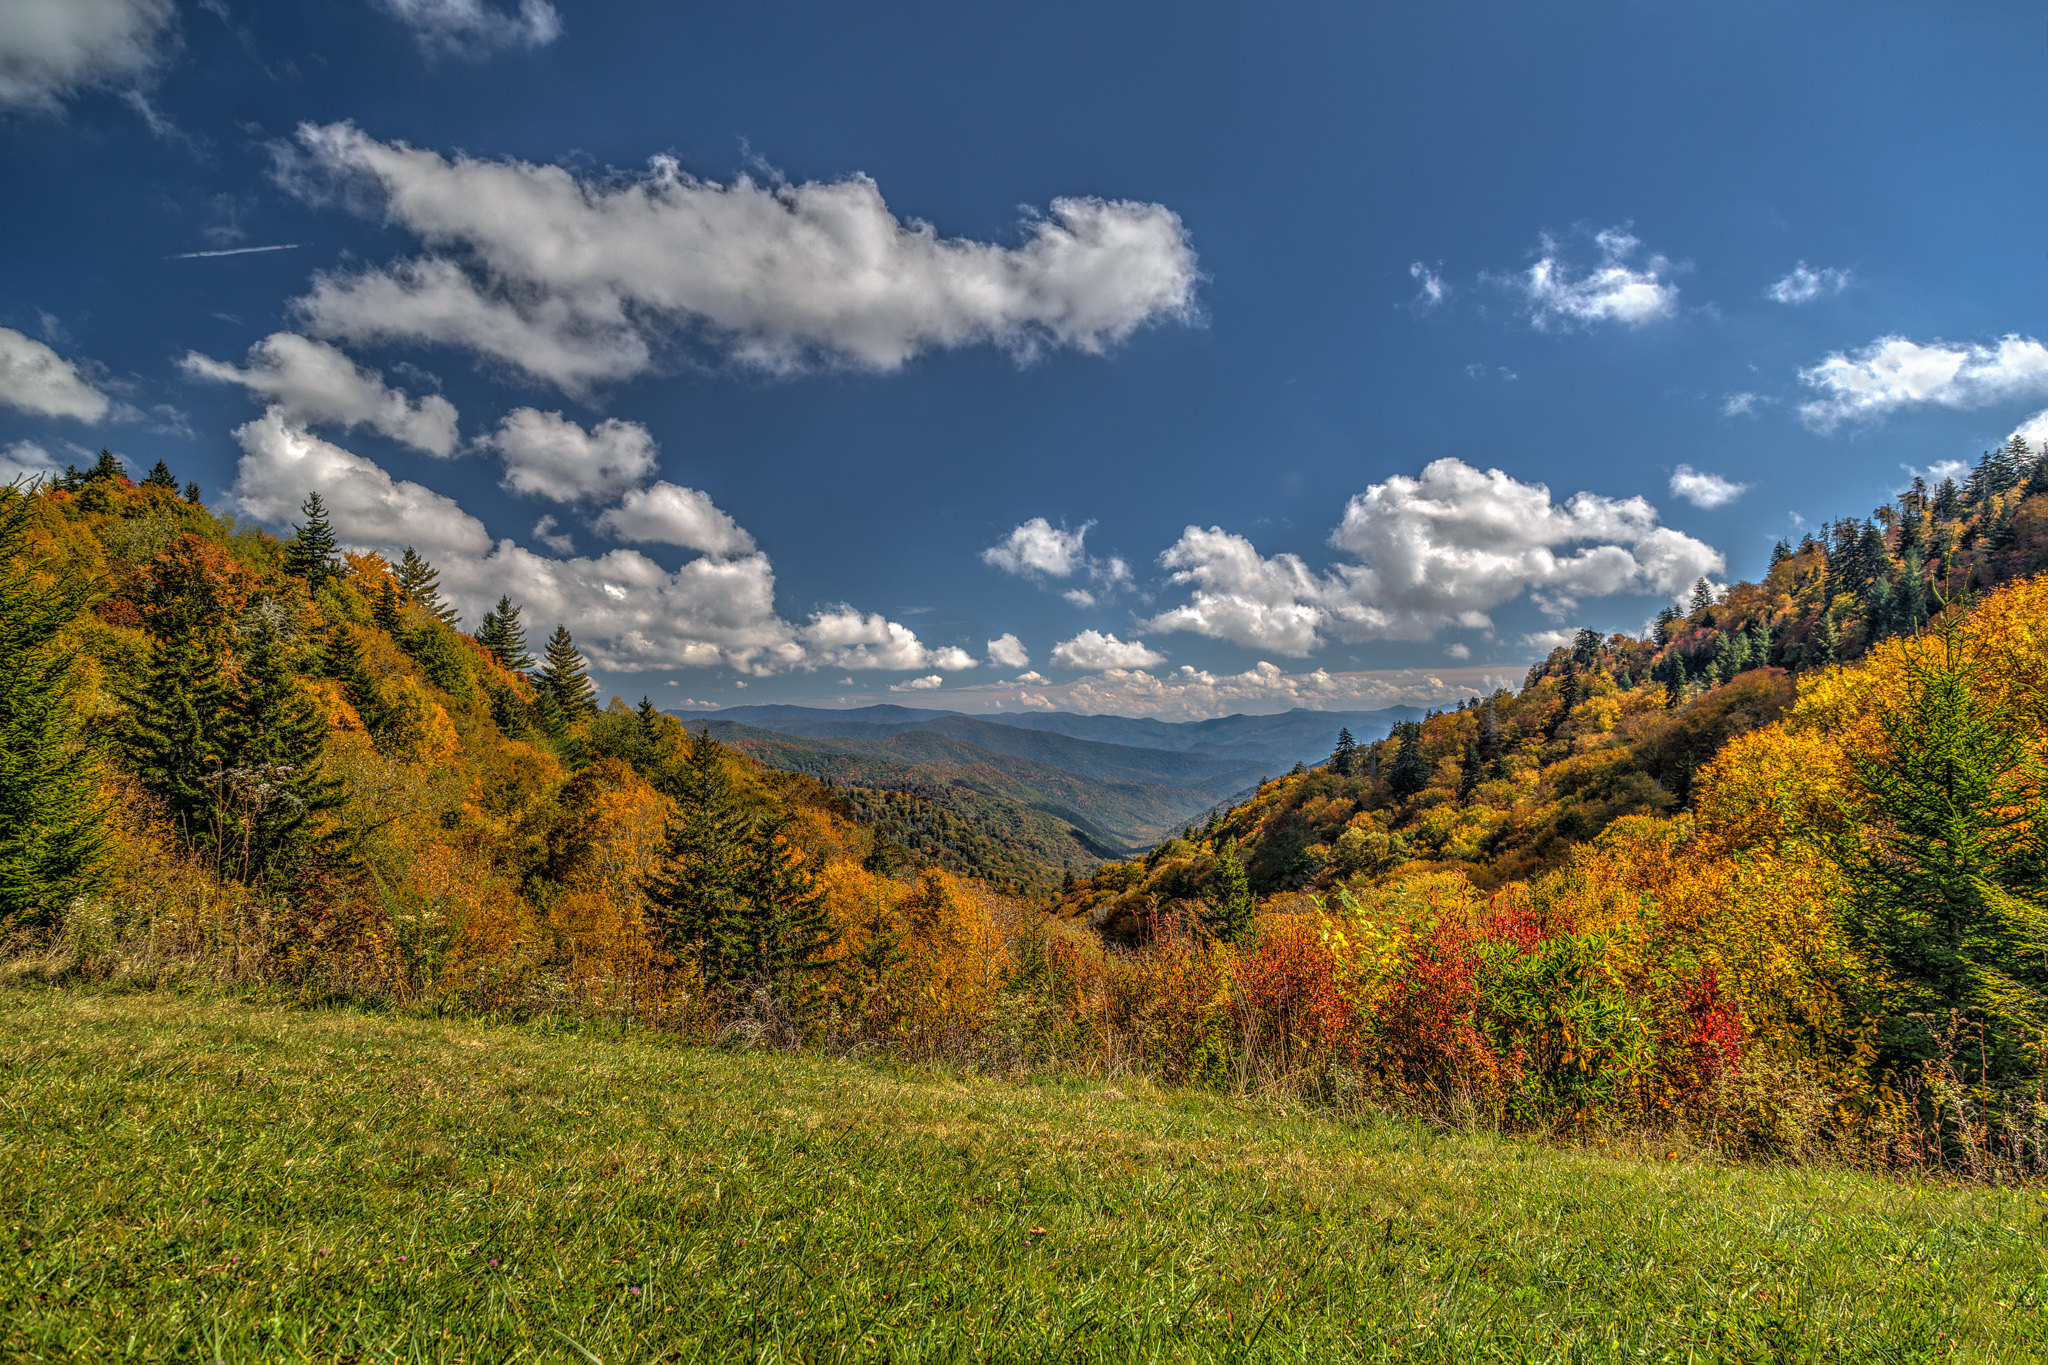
(184, 1179)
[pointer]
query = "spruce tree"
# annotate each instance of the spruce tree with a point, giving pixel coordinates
(1408, 773)
(504, 637)
(784, 931)
(695, 893)
(1231, 903)
(273, 746)
(160, 477)
(423, 588)
(311, 553)
(51, 817)
(341, 658)
(192, 491)
(562, 677)
(384, 609)
(1948, 884)
(1702, 595)
(1345, 758)
(176, 729)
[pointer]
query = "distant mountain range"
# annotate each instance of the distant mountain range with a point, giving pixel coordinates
(1086, 788)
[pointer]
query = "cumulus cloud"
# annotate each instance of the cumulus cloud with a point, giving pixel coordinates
(471, 28)
(668, 514)
(1622, 285)
(1091, 652)
(929, 683)
(1705, 490)
(1805, 284)
(1039, 548)
(27, 460)
(52, 48)
(581, 280)
(953, 659)
(1893, 372)
(1007, 651)
(1430, 287)
(1188, 693)
(2034, 431)
(1457, 651)
(627, 612)
(1739, 405)
(549, 456)
(1426, 554)
(312, 382)
(37, 380)
(548, 533)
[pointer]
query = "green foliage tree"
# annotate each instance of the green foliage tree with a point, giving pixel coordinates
(504, 637)
(272, 787)
(52, 822)
(1231, 904)
(1949, 872)
(160, 477)
(422, 587)
(1408, 773)
(563, 678)
(1345, 758)
(311, 553)
(176, 727)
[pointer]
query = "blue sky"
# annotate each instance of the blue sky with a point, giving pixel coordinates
(1174, 359)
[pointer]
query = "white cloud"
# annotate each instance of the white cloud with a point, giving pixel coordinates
(1429, 553)
(1430, 287)
(1705, 490)
(1892, 373)
(626, 611)
(315, 383)
(1739, 405)
(668, 514)
(37, 380)
(929, 683)
(1091, 652)
(1614, 289)
(2034, 431)
(578, 281)
(546, 532)
(1007, 651)
(1457, 651)
(953, 659)
(1188, 693)
(471, 28)
(1544, 641)
(52, 48)
(1940, 471)
(1805, 284)
(1039, 548)
(27, 460)
(1080, 597)
(549, 456)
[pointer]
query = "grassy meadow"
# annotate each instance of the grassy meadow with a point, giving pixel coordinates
(194, 1179)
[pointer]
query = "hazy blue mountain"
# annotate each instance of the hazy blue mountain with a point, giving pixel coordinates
(1274, 742)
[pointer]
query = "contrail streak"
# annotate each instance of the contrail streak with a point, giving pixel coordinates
(234, 251)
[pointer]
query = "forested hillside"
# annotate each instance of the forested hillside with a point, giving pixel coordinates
(1718, 879)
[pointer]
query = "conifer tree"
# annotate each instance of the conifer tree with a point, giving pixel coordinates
(384, 609)
(277, 789)
(1702, 595)
(192, 491)
(311, 553)
(563, 678)
(176, 740)
(1231, 903)
(160, 477)
(1345, 758)
(1949, 888)
(341, 658)
(1408, 773)
(423, 587)
(51, 818)
(695, 894)
(504, 637)
(784, 931)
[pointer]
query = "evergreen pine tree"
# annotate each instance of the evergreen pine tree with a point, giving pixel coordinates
(1471, 768)
(695, 893)
(1230, 900)
(1949, 890)
(423, 588)
(51, 817)
(341, 658)
(176, 740)
(1346, 755)
(274, 741)
(562, 678)
(192, 491)
(505, 638)
(1702, 595)
(160, 477)
(384, 609)
(1408, 773)
(311, 553)
(784, 931)
(1827, 642)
